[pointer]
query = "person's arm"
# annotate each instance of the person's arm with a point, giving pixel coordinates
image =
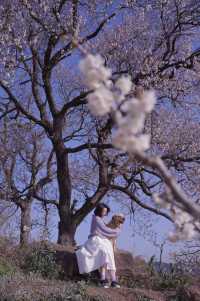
(104, 230)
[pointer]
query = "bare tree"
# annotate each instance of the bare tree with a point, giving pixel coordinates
(24, 170)
(188, 257)
(44, 46)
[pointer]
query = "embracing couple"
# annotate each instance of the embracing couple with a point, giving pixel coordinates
(98, 251)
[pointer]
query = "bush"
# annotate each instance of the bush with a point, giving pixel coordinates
(131, 282)
(182, 294)
(6, 268)
(42, 261)
(173, 278)
(167, 280)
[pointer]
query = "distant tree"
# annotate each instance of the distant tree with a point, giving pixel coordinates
(24, 170)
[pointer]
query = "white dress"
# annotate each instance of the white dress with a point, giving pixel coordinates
(95, 253)
(98, 249)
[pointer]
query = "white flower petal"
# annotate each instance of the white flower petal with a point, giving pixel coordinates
(124, 83)
(100, 101)
(92, 66)
(148, 100)
(126, 141)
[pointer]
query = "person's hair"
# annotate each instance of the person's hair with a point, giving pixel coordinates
(99, 208)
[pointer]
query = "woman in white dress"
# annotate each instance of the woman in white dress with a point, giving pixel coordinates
(97, 252)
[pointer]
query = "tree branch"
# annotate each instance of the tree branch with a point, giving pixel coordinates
(136, 200)
(47, 201)
(88, 146)
(18, 105)
(75, 102)
(179, 195)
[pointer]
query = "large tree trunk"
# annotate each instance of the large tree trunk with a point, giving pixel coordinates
(69, 221)
(66, 233)
(25, 227)
(66, 229)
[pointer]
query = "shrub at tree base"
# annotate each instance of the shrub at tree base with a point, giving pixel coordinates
(6, 268)
(42, 261)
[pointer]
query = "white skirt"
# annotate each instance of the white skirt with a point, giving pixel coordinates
(95, 253)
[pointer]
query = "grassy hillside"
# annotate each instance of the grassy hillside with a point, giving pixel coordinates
(33, 274)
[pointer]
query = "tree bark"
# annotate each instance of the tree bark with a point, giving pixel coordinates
(25, 227)
(66, 233)
(69, 221)
(66, 228)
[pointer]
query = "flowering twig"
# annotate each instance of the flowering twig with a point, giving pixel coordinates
(129, 115)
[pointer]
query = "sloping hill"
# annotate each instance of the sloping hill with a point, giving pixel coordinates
(48, 272)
